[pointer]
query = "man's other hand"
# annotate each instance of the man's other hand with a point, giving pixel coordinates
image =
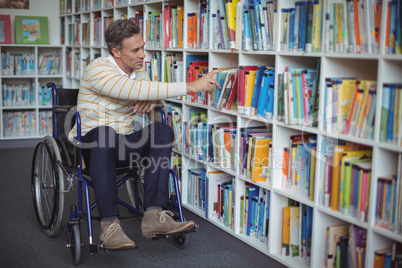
(141, 107)
(205, 83)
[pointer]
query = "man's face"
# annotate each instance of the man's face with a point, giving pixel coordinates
(132, 55)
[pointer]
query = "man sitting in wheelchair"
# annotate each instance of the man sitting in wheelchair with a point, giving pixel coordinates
(112, 91)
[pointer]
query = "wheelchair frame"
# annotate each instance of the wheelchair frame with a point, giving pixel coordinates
(40, 183)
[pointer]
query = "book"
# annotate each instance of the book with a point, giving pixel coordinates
(335, 232)
(285, 231)
(294, 248)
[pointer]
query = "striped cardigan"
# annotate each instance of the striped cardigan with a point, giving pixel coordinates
(106, 94)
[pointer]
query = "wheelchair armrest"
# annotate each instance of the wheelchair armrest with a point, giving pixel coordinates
(62, 108)
(163, 116)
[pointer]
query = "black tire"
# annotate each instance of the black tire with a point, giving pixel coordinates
(47, 186)
(75, 244)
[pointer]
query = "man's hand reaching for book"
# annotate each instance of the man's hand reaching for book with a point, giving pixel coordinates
(205, 83)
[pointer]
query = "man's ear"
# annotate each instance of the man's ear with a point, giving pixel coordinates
(116, 52)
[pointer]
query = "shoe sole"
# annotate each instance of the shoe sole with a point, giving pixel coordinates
(121, 247)
(154, 234)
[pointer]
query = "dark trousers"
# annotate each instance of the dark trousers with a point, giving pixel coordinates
(105, 150)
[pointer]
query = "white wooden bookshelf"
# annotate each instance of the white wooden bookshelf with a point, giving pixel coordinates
(380, 67)
(35, 79)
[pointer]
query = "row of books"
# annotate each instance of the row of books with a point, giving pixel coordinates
(86, 33)
(49, 65)
(255, 152)
(393, 30)
(195, 133)
(345, 246)
(298, 91)
(299, 160)
(297, 224)
(44, 95)
(74, 32)
(222, 143)
(353, 26)
(388, 211)
(17, 64)
(138, 19)
(154, 66)
(18, 94)
(391, 114)
(154, 28)
(22, 94)
(345, 178)
(196, 67)
(196, 188)
(388, 257)
(350, 106)
(19, 124)
(254, 212)
(301, 27)
(220, 199)
(45, 123)
(97, 30)
(175, 121)
(174, 69)
(65, 6)
(250, 89)
(73, 63)
(173, 19)
(249, 25)
(176, 166)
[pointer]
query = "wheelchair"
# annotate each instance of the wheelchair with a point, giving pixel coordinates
(57, 164)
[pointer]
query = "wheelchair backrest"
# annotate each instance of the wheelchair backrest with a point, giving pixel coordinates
(63, 101)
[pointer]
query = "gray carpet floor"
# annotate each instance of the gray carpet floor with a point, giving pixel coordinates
(23, 244)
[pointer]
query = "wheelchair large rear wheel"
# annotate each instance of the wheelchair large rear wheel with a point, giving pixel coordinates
(47, 186)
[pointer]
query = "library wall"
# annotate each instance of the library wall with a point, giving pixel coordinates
(39, 8)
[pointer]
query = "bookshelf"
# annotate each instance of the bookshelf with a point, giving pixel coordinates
(26, 101)
(380, 67)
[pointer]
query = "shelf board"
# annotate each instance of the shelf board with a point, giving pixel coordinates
(297, 195)
(231, 112)
(18, 108)
(229, 171)
(343, 217)
(175, 100)
(387, 233)
(289, 261)
(19, 76)
(313, 130)
(263, 184)
(300, 54)
(257, 118)
(363, 56)
(195, 159)
(391, 147)
(344, 137)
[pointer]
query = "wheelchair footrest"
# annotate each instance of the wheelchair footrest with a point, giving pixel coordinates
(161, 236)
(99, 248)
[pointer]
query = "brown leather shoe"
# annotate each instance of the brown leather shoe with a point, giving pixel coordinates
(158, 222)
(113, 237)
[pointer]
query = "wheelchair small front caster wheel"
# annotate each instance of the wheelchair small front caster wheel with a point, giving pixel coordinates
(74, 243)
(181, 241)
